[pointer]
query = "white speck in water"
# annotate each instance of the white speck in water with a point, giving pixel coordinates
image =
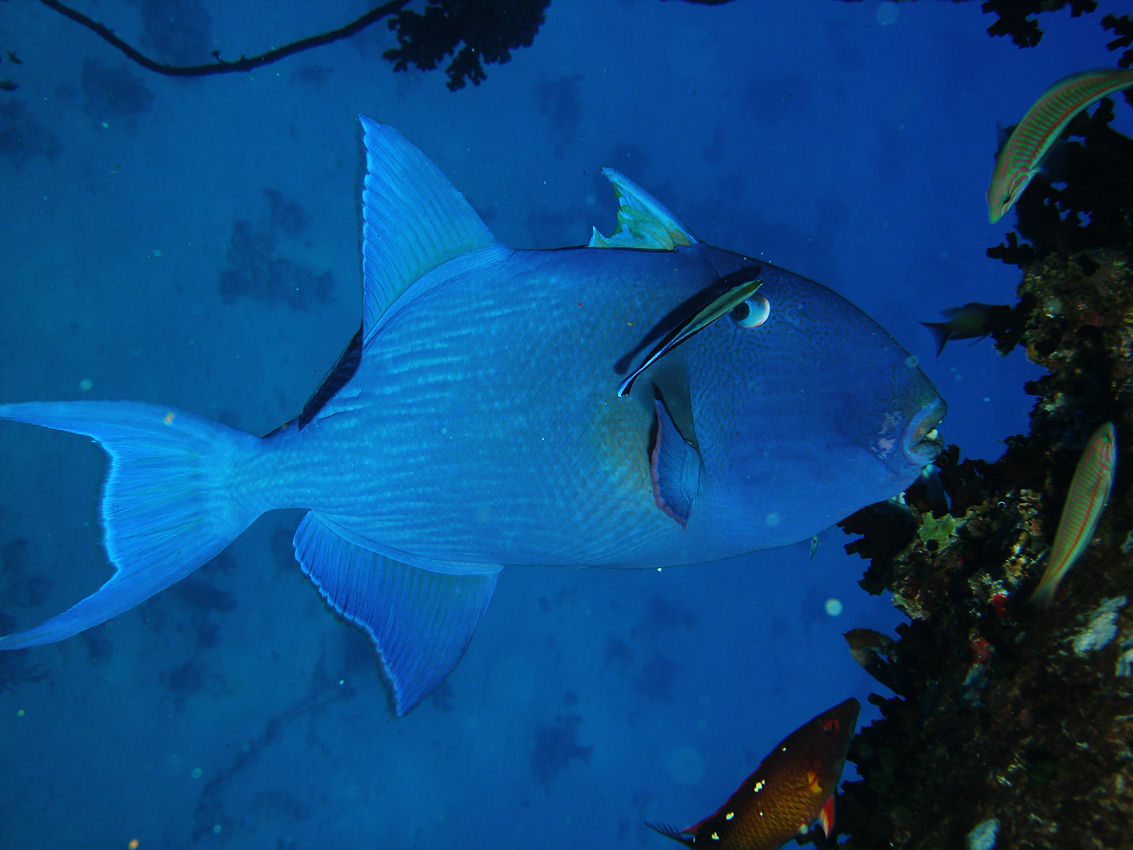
(833, 607)
(772, 519)
(85, 385)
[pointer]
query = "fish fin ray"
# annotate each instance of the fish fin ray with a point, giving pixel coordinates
(826, 816)
(670, 832)
(674, 468)
(167, 506)
(420, 621)
(643, 221)
(413, 219)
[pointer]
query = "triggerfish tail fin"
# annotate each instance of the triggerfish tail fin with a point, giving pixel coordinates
(168, 504)
(421, 621)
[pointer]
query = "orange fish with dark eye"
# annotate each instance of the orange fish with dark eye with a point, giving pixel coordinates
(791, 789)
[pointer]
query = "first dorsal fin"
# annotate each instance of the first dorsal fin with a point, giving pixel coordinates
(413, 219)
(643, 221)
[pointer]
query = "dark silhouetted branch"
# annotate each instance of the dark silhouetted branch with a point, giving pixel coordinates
(221, 66)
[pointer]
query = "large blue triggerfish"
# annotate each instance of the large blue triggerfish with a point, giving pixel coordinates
(644, 401)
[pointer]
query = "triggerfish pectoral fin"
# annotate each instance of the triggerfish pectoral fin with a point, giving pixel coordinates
(420, 621)
(675, 468)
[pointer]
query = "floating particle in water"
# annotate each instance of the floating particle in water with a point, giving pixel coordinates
(833, 606)
(887, 13)
(686, 765)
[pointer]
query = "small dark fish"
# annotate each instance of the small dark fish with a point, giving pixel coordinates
(8, 85)
(971, 321)
(793, 787)
(14, 59)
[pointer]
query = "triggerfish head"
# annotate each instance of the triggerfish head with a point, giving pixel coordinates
(646, 400)
(791, 789)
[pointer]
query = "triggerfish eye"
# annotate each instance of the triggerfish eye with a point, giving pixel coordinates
(752, 312)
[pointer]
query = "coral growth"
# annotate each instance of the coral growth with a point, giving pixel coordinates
(1005, 712)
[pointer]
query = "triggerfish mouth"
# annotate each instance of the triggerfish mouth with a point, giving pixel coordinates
(645, 400)
(791, 789)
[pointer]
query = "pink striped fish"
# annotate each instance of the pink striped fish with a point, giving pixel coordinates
(1085, 501)
(1028, 145)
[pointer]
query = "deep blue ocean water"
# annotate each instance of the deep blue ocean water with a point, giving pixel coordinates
(852, 143)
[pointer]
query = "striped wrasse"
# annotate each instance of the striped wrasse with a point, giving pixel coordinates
(1085, 501)
(1031, 141)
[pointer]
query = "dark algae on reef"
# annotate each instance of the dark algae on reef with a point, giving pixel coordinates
(1012, 724)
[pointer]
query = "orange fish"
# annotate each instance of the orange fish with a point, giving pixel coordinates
(791, 789)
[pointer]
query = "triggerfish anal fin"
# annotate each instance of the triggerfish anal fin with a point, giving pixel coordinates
(413, 219)
(644, 222)
(693, 316)
(1031, 141)
(420, 621)
(674, 467)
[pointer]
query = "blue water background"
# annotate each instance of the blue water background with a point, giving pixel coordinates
(822, 136)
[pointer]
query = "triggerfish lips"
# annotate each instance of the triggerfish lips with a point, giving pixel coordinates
(920, 441)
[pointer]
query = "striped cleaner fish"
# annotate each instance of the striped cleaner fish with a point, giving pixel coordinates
(791, 789)
(632, 403)
(1031, 141)
(1085, 501)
